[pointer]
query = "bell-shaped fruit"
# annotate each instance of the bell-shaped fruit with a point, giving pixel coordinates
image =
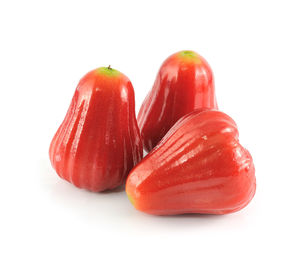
(198, 167)
(184, 83)
(98, 142)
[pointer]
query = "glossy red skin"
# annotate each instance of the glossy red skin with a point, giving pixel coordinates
(198, 167)
(184, 83)
(98, 142)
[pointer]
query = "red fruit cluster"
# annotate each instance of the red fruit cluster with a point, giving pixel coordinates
(195, 162)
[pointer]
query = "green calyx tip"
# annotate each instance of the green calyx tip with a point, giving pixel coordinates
(189, 55)
(108, 71)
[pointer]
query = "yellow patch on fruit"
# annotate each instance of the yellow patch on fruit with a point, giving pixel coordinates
(130, 199)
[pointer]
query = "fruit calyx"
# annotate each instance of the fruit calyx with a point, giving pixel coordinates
(189, 55)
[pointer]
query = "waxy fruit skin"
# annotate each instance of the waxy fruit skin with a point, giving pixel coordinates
(98, 142)
(184, 83)
(198, 167)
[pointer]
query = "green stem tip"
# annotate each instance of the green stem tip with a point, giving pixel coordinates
(108, 71)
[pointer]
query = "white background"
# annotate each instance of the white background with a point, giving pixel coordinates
(47, 46)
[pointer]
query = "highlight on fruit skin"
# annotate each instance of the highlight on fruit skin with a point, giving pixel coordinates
(198, 167)
(183, 84)
(98, 142)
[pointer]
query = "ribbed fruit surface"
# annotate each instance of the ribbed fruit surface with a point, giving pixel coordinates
(184, 83)
(198, 167)
(98, 142)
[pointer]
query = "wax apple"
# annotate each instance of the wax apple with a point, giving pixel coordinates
(198, 167)
(184, 83)
(98, 142)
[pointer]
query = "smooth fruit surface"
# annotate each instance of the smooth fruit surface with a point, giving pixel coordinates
(98, 142)
(184, 83)
(198, 167)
